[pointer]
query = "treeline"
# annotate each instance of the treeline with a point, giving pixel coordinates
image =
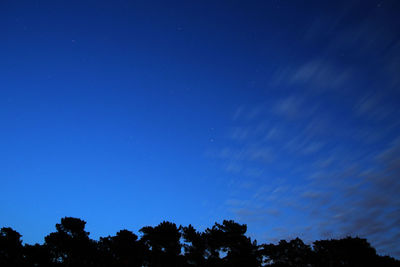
(169, 245)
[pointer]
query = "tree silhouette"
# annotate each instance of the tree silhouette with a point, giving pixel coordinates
(10, 247)
(70, 245)
(195, 246)
(163, 243)
(292, 253)
(37, 255)
(167, 245)
(345, 252)
(229, 238)
(122, 250)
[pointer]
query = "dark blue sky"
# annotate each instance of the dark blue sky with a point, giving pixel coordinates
(283, 115)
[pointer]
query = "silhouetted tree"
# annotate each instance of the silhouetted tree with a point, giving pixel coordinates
(229, 238)
(70, 245)
(345, 252)
(195, 246)
(223, 245)
(292, 253)
(386, 261)
(163, 243)
(10, 248)
(121, 250)
(37, 255)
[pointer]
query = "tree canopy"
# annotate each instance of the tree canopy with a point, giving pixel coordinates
(167, 244)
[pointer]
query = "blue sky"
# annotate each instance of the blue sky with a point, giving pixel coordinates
(278, 114)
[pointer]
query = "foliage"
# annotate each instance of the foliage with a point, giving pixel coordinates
(169, 245)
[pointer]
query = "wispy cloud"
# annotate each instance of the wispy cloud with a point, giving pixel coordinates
(365, 203)
(335, 184)
(325, 147)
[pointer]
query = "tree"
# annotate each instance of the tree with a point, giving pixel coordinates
(70, 245)
(224, 245)
(122, 250)
(37, 255)
(348, 251)
(163, 243)
(229, 238)
(10, 247)
(195, 246)
(292, 253)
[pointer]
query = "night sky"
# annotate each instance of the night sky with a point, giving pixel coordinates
(283, 115)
